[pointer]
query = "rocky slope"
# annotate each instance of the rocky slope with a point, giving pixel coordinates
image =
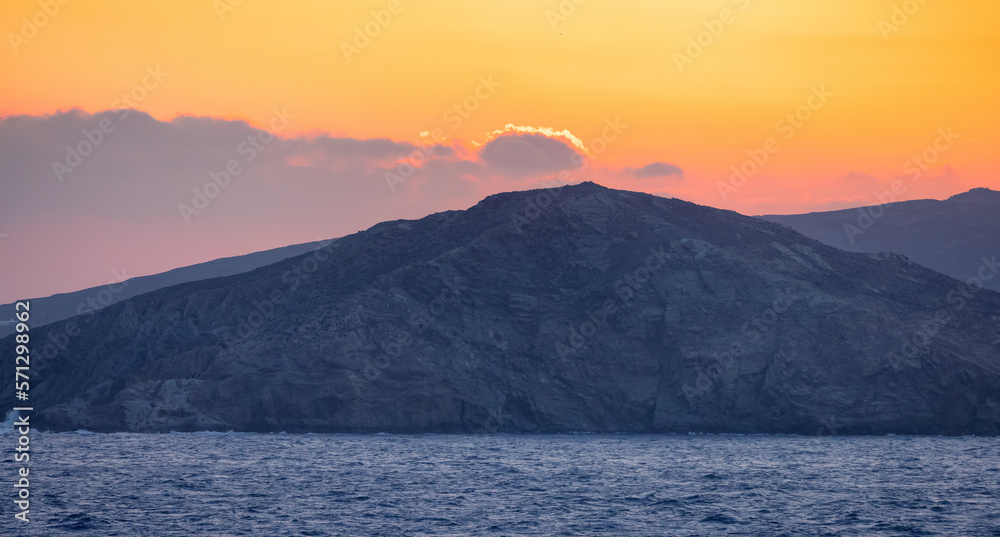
(950, 236)
(65, 305)
(574, 309)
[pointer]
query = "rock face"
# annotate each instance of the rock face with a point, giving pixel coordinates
(573, 309)
(952, 236)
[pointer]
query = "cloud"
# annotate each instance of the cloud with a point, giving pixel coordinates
(349, 148)
(72, 193)
(523, 155)
(547, 131)
(657, 169)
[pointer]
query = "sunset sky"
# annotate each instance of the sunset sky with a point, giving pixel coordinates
(507, 95)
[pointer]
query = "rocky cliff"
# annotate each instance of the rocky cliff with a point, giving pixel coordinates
(572, 309)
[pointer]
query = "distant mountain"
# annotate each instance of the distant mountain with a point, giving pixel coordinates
(978, 196)
(951, 236)
(573, 309)
(65, 305)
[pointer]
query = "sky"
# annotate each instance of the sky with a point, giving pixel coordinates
(138, 137)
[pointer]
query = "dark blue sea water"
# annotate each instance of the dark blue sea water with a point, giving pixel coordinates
(276, 485)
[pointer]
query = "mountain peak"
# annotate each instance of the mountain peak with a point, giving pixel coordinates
(977, 196)
(578, 308)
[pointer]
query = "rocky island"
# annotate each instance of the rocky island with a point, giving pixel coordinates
(577, 308)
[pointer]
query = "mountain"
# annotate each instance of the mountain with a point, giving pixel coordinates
(572, 309)
(951, 236)
(978, 196)
(65, 305)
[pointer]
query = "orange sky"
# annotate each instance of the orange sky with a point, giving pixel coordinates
(940, 68)
(702, 86)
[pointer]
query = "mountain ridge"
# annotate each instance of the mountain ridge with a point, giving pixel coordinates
(951, 236)
(60, 306)
(573, 309)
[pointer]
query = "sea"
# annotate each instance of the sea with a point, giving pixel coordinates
(228, 484)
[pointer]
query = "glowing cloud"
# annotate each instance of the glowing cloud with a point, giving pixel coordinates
(545, 131)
